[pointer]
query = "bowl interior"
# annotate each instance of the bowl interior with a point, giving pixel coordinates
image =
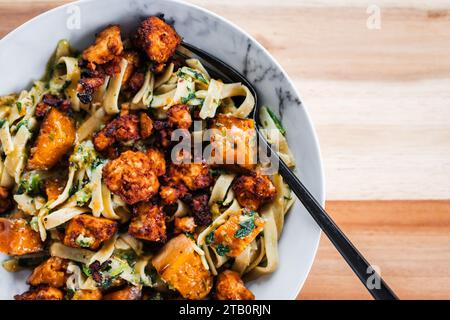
(24, 53)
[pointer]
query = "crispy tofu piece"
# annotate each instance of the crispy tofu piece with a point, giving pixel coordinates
(158, 161)
(87, 295)
(146, 125)
(132, 177)
(124, 128)
(17, 238)
(51, 272)
(41, 293)
(148, 223)
(5, 200)
(128, 293)
(229, 286)
(194, 175)
(233, 141)
(241, 228)
(184, 224)
(133, 62)
(253, 190)
(179, 116)
(56, 138)
(158, 39)
(107, 46)
(179, 265)
(86, 231)
(53, 188)
(169, 195)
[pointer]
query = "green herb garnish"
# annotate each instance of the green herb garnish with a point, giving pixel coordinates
(209, 238)
(277, 121)
(246, 227)
(222, 250)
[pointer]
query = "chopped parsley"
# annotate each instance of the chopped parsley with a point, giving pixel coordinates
(2, 122)
(185, 100)
(34, 224)
(31, 186)
(22, 123)
(19, 106)
(82, 197)
(246, 227)
(209, 238)
(51, 136)
(222, 250)
(277, 121)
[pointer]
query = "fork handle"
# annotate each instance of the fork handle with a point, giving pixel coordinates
(348, 251)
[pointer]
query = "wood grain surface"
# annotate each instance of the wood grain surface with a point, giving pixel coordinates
(380, 101)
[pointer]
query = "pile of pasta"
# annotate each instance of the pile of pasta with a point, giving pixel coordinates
(125, 265)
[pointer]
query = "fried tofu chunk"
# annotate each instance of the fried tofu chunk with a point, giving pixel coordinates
(158, 161)
(53, 188)
(229, 286)
(233, 141)
(148, 223)
(5, 200)
(158, 39)
(184, 224)
(128, 293)
(56, 138)
(107, 46)
(51, 272)
(124, 128)
(179, 116)
(169, 195)
(41, 293)
(241, 228)
(179, 265)
(132, 177)
(194, 175)
(86, 231)
(133, 60)
(17, 238)
(87, 295)
(146, 125)
(253, 190)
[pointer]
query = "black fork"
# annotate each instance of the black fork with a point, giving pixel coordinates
(377, 287)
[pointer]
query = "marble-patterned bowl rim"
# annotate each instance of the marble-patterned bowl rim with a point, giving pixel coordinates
(320, 192)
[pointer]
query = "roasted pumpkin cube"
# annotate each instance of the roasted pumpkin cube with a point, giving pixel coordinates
(127, 293)
(229, 286)
(233, 142)
(179, 265)
(86, 231)
(107, 46)
(41, 293)
(17, 238)
(51, 272)
(253, 190)
(241, 228)
(148, 223)
(158, 39)
(56, 138)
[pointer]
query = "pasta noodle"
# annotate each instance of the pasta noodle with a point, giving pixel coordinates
(110, 101)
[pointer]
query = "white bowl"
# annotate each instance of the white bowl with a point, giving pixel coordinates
(24, 53)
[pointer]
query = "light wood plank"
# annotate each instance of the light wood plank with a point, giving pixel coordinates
(408, 240)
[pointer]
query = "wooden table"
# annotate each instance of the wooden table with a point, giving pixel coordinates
(380, 101)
